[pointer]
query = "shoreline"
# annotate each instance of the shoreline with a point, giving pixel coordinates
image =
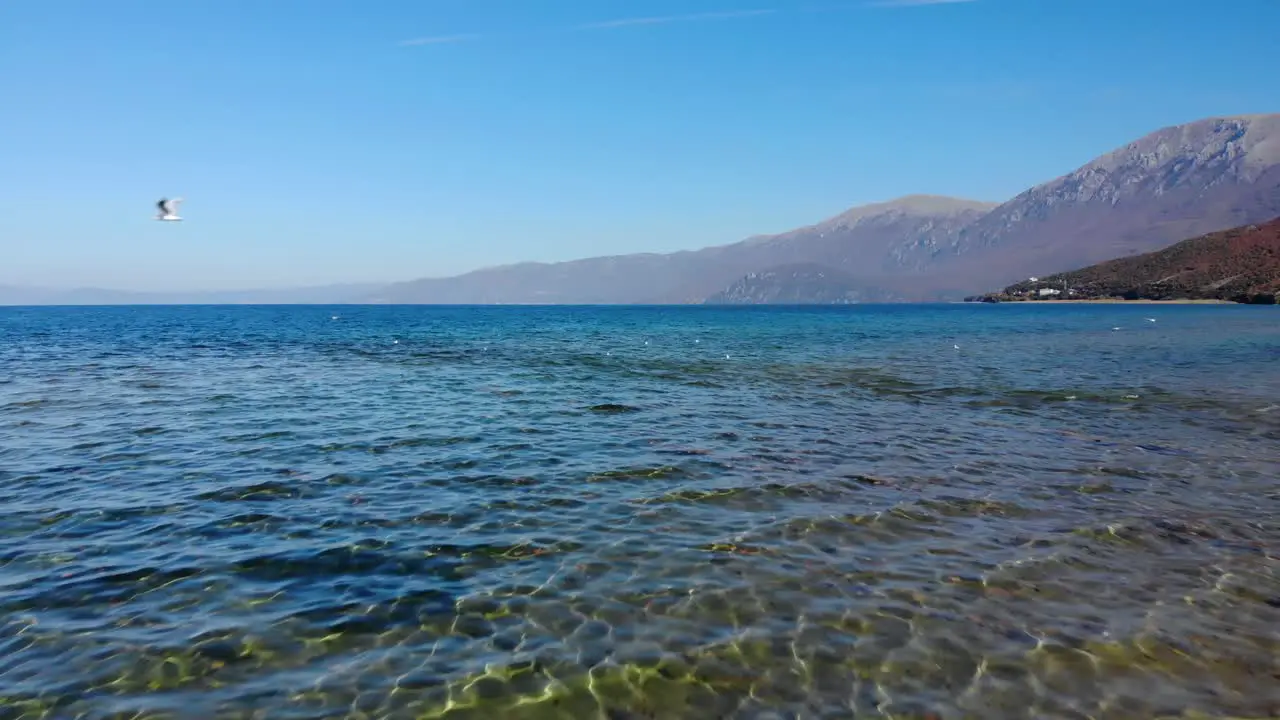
(1117, 301)
(1122, 301)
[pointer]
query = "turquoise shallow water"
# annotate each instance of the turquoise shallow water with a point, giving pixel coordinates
(689, 512)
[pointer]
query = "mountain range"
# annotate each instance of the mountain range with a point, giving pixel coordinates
(1171, 184)
(1177, 182)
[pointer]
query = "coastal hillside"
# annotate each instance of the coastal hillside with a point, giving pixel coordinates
(799, 284)
(1176, 182)
(1241, 265)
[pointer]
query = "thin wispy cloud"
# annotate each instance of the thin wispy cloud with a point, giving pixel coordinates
(668, 19)
(688, 17)
(914, 3)
(442, 39)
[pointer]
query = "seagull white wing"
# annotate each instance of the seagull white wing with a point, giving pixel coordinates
(171, 206)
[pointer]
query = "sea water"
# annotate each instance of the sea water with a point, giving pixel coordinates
(948, 511)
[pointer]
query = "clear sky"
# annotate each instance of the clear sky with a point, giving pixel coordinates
(320, 141)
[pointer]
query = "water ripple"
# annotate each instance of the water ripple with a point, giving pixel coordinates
(638, 512)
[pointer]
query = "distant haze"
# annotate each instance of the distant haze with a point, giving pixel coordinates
(322, 143)
(11, 295)
(1166, 186)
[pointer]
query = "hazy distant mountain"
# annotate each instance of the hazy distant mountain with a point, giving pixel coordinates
(801, 284)
(1241, 264)
(326, 294)
(862, 242)
(1180, 181)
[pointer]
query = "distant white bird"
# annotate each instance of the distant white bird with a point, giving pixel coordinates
(1151, 319)
(168, 209)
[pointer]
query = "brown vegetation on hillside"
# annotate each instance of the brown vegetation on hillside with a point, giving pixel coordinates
(1241, 264)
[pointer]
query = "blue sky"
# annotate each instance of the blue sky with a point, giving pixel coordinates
(320, 141)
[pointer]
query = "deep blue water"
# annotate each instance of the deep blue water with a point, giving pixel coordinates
(672, 512)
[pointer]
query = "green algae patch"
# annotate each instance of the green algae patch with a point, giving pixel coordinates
(664, 685)
(661, 472)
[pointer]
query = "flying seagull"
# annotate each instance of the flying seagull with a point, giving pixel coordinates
(168, 209)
